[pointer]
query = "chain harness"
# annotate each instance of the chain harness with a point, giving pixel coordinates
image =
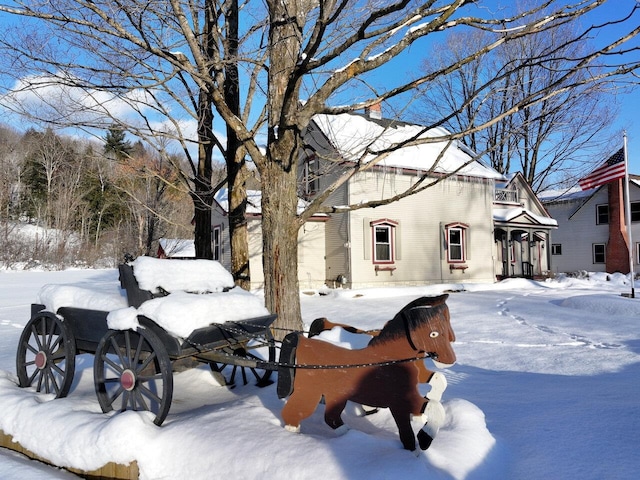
(267, 365)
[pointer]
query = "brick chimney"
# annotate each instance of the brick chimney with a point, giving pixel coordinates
(617, 247)
(374, 111)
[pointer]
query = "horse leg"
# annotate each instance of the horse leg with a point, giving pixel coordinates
(433, 416)
(333, 414)
(403, 422)
(438, 384)
(297, 408)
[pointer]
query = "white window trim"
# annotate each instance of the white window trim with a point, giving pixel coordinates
(463, 229)
(217, 246)
(392, 227)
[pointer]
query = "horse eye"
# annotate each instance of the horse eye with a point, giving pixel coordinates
(434, 334)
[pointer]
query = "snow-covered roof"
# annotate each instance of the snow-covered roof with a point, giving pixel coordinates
(356, 136)
(565, 195)
(254, 201)
(510, 214)
(178, 247)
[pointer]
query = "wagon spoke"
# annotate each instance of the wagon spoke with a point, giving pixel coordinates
(33, 376)
(50, 334)
(140, 401)
(45, 381)
(29, 347)
(148, 378)
(145, 392)
(53, 381)
(55, 344)
(111, 399)
(119, 368)
(262, 376)
(116, 350)
(124, 404)
(127, 347)
(149, 394)
(60, 354)
(36, 336)
(57, 369)
(146, 362)
(136, 357)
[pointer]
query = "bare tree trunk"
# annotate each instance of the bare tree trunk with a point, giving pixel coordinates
(280, 224)
(280, 243)
(236, 166)
(202, 194)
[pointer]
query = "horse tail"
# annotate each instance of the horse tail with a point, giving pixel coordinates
(286, 373)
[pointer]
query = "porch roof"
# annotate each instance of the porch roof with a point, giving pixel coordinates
(521, 217)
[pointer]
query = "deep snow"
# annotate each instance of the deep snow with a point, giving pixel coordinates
(546, 386)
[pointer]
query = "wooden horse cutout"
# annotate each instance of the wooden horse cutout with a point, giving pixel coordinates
(375, 375)
(436, 380)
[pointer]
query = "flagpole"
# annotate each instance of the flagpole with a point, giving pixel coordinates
(627, 214)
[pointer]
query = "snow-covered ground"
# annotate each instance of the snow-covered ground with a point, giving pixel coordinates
(547, 385)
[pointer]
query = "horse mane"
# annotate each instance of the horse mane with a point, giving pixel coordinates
(426, 307)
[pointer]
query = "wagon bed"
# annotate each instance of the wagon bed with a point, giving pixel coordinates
(133, 368)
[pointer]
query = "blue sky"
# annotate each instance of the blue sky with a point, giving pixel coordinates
(628, 100)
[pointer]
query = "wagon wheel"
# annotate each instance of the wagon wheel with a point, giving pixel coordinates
(263, 350)
(46, 355)
(132, 371)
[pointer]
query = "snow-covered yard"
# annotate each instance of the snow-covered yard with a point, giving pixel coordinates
(546, 386)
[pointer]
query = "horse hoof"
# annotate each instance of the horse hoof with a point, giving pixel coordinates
(435, 419)
(341, 430)
(424, 440)
(292, 428)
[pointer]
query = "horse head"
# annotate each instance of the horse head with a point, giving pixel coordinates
(428, 327)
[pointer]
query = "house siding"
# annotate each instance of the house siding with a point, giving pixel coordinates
(577, 232)
(420, 234)
(311, 251)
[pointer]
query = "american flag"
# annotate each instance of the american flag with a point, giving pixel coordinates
(612, 169)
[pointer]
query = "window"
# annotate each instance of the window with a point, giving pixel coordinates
(602, 214)
(384, 232)
(383, 243)
(599, 253)
(216, 241)
(635, 211)
(310, 177)
(456, 238)
(556, 249)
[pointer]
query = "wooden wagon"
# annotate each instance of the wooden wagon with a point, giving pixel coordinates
(133, 369)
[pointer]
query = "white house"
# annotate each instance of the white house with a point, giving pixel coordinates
(522, 227)
(592, 231)
(473, 226)
(311, 241)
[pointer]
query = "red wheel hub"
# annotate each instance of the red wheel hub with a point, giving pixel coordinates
(41, 360)
(128, 380)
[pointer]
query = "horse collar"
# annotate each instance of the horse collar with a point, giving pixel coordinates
(407, 332)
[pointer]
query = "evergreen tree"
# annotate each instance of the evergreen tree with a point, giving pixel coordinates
(116, 144)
